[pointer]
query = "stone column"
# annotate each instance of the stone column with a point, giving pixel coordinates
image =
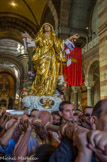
(24, 59)
(67, 94)
(76, 90)
(89, 85)
(89, 96)
(102, 17)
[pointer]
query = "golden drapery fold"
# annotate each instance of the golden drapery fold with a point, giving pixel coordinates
(47, 57)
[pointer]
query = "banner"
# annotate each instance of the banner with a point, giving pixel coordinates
(73, 69)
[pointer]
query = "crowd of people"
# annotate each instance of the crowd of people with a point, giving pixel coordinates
(67, 135)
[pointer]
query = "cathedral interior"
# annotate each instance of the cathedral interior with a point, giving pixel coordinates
(19, 18)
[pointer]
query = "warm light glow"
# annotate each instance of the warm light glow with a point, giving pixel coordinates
(87, 27)
(13, 4)
(16, 72)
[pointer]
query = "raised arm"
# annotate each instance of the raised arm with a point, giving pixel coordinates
(74, 37)
(4, 141)
(80, 141)
(22, 145)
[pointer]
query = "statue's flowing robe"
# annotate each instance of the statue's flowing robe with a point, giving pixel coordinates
(46, 59)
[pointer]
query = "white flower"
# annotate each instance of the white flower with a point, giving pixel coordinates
(61, 80)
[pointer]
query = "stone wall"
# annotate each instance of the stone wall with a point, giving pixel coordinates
(102, 15)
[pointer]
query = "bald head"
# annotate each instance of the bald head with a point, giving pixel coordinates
(44, 116)
(100, 107)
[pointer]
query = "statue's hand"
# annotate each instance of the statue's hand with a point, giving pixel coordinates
(75, 36)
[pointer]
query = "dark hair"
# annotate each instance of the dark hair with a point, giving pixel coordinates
(98, 108)
(34, 110)
(55, 113)
(62, 104)
(87, 107)
(44, 153)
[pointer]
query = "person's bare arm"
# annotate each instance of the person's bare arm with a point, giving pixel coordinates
(22, 145)
(74, 37)
(2, 119)
(2, 132)
(84, 156)
(80, 141)
(4, 141)
(98, 141)
(79, 137)
(5, 121)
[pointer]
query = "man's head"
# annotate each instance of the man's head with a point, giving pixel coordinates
(87, 114)
(34, 112)
(99, 116)
(44, 116)
(66, 111)
(56, 117)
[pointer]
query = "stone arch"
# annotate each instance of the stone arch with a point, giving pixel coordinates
(65, 10)
(8, 71)
(54, 12)
(16, 22)
(92, 81)
(47, 16)
(92, 64)
(11, 58)
(12, 37)
(95, 4)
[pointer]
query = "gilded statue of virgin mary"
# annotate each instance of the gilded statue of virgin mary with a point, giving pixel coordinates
(46, 59)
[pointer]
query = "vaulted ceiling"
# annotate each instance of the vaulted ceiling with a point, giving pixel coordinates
(80, 14)
(28, 9)
(19, 16)
(28, 15)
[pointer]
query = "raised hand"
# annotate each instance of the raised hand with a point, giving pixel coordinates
(26, 125)
(98, 141)
(79, 134)
(61, 131)
(75, 36)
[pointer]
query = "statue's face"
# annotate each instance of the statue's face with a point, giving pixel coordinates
(47, 28)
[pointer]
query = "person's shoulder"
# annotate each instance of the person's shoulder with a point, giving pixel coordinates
(10, 145)
(12, 141)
